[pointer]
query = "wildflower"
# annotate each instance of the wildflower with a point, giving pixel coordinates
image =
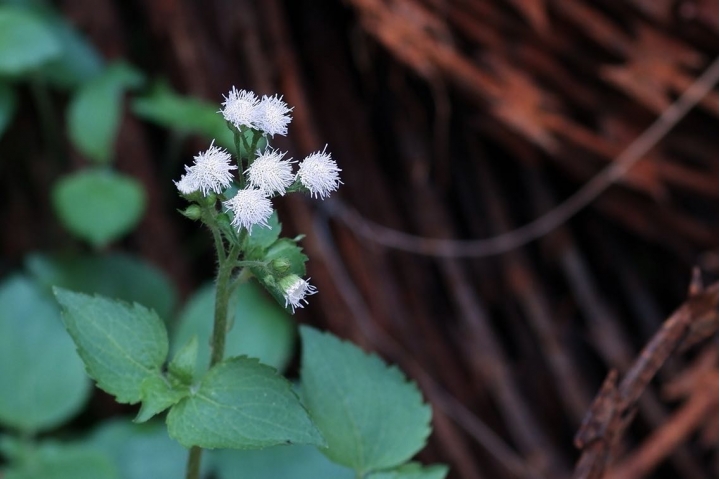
(210, 172)
(319, 174)
(249, 207)
(270, 173)
(295, 289)
(273, 116)
(240, 108)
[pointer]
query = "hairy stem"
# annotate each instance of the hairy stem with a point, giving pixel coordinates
(193, 463)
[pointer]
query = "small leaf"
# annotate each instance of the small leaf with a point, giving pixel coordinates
(296, 462)
(98, 206)
(241, 404)
(141, 451)
(114, 275)
(184, 114)
(185, 361)
(261, 237)
(42, 381)
(370, 415)
(412, 470)
(26, 42)
(260, 329)
(8, 104)
(95, 110)
(51, 460)
(158, 395)
(121, 344)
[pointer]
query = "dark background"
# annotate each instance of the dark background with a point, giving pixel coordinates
(459, 120)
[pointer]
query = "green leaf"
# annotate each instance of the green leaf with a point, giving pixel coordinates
(8, 104)
(26, 42)
(288, 249)
(98, 206)
(42, 381)
(184, 114)
(259, 328)
(412, 470)
(114, 275)
(141, 451)
(296, 462)
(95, 110)
(241, 404)
(261, 237)
(158, 395)
(121, 344)
(52, 460)
(184, 363)
(78, 61)
(370, 415)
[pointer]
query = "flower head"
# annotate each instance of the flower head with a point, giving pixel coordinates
(273, 115)
(249, 207)
(319, 174)
(211, 171)
(295, 289)
(270, 173)
(240, 108)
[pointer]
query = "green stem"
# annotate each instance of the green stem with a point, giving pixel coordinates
(222, 297)
(193, 463)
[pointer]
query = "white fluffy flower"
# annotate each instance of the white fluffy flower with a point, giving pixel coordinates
(249, 207)
(273, 116)
(240, 108)
(319, 174)
(270, 173)
(295, 289)
(211, 171)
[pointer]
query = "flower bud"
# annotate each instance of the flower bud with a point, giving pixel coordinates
(193, 212)
(280, 265)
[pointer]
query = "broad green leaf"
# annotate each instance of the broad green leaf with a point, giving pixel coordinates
(121, 344)
(141, 451)
(95, 110)
(98, 206)
(241, 404)
(8, 104)
(184, 114)
(279, 462)
(412, 470)
(259, 328)
(52, 460)
(26, 42)
(42, 380)
(370, 415)
(158, 394)
(78, 61)
(114, 275)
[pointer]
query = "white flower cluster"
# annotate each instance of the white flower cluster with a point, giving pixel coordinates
(270, 114)
(211, 171)
(295, 290)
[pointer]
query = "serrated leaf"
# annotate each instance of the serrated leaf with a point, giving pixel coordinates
(158, 395)
(8, 104)
(413, 470)
(95, 109)
(51, 460)
(141, 451)
(121, 344)
(42, 379)
(185, 361)
(370, 415)
(260, 329)
(98, 206)
(185, 114)
(114, 275)
(241, 404)
(279, 462)
(26, 42)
